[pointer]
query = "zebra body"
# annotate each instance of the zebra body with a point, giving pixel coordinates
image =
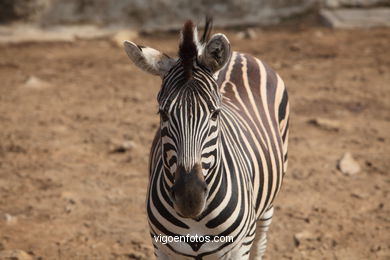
(240, 161)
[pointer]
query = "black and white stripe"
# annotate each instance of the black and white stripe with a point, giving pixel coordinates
(251, 137)
(234, 123)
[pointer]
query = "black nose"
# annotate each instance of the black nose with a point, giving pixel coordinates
(192, 179)
(189, 191)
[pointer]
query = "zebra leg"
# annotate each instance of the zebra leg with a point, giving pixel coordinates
(260, 243)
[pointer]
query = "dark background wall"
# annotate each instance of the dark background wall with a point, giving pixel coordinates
(167, 14)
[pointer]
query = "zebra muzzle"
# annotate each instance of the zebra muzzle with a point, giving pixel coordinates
(189, 192)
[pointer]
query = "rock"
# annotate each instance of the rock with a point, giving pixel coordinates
(303, 236)
(15, 254)
(360, 195)
(347, 165)
(326, 124)
(70, 197)
(123, 35)
(319, 34)
(124, 147)
(297, 66)
(9, 219)
(247, 34)
(35, 83)
(381, 139)
(136, 256)
(69, 208)
(295, 48)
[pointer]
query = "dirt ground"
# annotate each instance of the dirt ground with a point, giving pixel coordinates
(77, 120)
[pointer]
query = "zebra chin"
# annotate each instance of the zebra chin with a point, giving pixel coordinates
(189, 192)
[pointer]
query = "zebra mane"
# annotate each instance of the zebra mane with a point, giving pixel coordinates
(190, 46)
(187, 49)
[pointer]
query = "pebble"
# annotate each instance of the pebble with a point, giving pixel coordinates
(326, 124)
(247, 34)
(300, 237)
(297, 66)
(124, 147)
(347, 165)
(35, 83)
(9, 219)
(318, 34)
(15, 254)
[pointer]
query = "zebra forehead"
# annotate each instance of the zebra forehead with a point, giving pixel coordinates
(192, 99)
(201, 88)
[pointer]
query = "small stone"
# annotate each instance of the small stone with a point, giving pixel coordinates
(35, 83)
(326, 124)
(319, 34)
(295, 48)
(136, 255)
(9, 219)
(124, 147)
(359, 195)
(70, 197)
(297, 66)
(300, 237)
(375, 248)
(251, 34)
(15, 254)
(247, 34)
(347, 165)
(381, 139)
(129, 145)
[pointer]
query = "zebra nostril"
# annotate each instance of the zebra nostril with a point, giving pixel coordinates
(173, 195)
(206, 192)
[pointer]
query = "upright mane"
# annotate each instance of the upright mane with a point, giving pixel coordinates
(187, 49)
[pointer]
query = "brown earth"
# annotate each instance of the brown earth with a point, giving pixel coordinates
(69, 191)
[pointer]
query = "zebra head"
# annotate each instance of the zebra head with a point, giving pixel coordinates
(189, 108)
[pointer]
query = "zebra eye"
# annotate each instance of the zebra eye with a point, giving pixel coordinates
(215, 114)
(163, 115)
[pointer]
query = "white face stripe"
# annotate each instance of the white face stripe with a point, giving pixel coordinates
(189, 107)
(190, 131)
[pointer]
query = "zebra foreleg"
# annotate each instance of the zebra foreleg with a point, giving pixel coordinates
(260, 243)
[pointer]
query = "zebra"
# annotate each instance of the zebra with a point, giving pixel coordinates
(219, 156)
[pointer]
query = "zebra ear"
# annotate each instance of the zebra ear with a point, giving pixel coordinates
(216, 53)
(149, 59)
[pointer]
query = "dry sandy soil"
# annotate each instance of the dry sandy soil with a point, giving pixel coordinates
(69, 191)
